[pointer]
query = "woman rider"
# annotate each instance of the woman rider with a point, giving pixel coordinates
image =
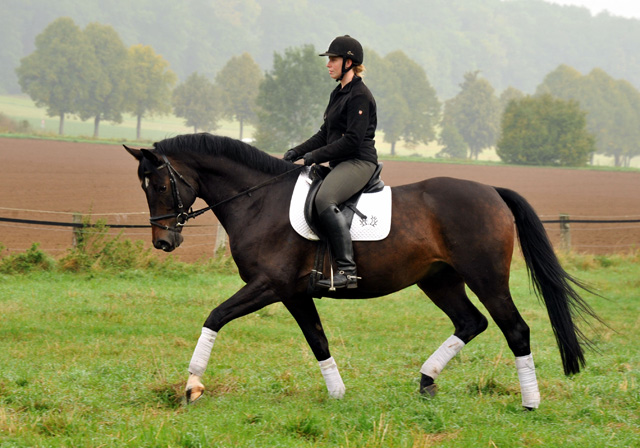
(346, 141)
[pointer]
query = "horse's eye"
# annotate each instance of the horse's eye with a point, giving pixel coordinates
(162, 188)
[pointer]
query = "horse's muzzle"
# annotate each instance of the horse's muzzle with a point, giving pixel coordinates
(168, 241)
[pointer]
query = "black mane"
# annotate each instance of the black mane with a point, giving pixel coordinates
(214, 145)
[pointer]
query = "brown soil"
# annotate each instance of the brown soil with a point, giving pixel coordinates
(50, 176)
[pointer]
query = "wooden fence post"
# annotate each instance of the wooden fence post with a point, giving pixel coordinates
(76, 235)
(221, 240)
(565, 232)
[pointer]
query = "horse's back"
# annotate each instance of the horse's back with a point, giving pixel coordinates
(459, 214)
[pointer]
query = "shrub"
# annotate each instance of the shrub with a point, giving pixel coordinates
(9, 125)
(95, 250)
(32, 260)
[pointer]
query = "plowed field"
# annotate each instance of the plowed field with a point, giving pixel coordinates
(51, 180)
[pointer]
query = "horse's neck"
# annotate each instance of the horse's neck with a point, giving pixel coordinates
(230, 188)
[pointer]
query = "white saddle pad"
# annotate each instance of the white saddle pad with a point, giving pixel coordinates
(375, 206)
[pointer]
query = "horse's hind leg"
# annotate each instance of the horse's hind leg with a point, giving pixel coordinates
(446, 289)
(496, 297)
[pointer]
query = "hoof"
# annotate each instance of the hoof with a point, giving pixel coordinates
(428, 388)
(528, 409)
(194, 394)
(429, 391)
(194, 390)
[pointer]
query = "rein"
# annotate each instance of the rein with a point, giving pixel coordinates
(183, 216)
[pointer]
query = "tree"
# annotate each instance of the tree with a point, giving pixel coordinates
(292, 98)
(150, 84)
(106, 91)
(240, 81)
(408, 107)
(198, 101)
(475, 113)
(453, 144)
(509, 94)
(543, 130)
(612, 106)
(55, 75)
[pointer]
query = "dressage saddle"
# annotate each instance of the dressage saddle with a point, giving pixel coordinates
(348, 208)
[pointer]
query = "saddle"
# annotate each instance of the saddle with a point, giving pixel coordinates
(348, 208)
(317, 175)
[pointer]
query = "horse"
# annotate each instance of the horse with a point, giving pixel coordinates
(445, 233)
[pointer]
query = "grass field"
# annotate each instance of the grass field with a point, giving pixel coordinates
(99, 360)
(21, 107)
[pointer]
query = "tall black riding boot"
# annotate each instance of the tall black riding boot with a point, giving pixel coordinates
(334, 227)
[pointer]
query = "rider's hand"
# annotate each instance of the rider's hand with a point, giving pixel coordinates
(308, 159)
(291, 156)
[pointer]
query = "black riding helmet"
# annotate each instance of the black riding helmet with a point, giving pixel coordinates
(346, 47)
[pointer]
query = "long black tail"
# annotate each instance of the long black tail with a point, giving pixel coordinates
(551, 282)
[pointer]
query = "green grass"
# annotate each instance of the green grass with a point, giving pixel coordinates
(20, 107)
(99, 360)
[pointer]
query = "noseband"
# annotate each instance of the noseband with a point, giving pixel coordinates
(181, 215)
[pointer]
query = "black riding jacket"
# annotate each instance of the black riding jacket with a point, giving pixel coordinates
(349, 127)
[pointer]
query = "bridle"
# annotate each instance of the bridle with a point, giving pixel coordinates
(180, 213)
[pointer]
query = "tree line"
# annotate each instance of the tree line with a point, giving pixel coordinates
(91, 74)
(513, 43)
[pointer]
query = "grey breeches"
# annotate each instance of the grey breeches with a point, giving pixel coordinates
(342, 182)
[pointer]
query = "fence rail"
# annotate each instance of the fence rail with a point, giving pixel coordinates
(76, 224)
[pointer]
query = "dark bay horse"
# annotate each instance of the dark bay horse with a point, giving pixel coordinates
(445, 233)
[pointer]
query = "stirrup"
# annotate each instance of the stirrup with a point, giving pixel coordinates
(350, 281)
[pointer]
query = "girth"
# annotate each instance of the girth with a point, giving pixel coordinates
(348, 208)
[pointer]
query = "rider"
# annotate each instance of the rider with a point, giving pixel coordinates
(346, 141)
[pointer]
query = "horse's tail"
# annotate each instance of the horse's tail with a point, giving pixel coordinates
(551, 282)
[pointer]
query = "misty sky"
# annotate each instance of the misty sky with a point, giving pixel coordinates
(624, 8)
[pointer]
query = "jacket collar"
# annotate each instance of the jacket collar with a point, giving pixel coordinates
(346, 89)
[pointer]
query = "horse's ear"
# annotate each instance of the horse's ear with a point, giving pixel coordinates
(134, 152)
(151, 157)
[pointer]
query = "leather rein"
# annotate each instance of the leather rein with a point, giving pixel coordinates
(180, 214)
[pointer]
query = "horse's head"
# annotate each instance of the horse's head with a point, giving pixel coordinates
(169, 196)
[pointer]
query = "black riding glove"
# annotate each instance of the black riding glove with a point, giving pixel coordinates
(308, 159)
(291, 156)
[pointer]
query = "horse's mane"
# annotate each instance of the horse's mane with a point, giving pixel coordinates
(214, 145)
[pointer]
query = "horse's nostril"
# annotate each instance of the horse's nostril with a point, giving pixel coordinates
(163, 245)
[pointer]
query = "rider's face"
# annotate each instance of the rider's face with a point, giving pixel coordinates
(334, 64)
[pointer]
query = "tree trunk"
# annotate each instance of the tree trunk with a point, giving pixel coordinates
(393, 148)
(616, 159)
(61, 126)
(138, 125)
(96, 126)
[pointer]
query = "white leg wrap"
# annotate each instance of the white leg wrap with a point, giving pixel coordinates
(201, 354)
(332, 377)
(528, 381)
(436, 362)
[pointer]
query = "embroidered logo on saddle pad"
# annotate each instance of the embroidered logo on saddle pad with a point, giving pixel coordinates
(375, 206)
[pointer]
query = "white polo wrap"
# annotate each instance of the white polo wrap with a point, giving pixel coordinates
(436, 362)
(528, 381)
(332, 377)
(201, 354)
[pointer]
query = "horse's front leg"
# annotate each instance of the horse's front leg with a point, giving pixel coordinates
(304, 311)
(252, 297)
